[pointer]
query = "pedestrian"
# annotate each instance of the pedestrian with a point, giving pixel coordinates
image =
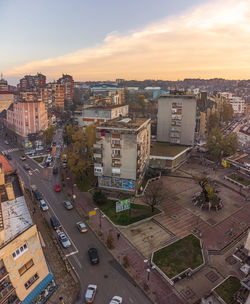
(118, 235)
(33, 211)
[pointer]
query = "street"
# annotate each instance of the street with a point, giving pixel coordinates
(111, 279)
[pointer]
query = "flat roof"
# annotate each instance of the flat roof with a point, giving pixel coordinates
(166, 149)
(6, 166)
(106, 108)
(177, 96)
(16, 218)
(124, 123)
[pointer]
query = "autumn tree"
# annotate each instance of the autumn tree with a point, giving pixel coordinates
(48, 134)
(214, 142)
(213, 122)
(227, 112)
(229, 144)
(154, 194)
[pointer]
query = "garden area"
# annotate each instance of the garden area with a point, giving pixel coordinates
(39, 159)
(179, 256)
(240, 179)
(227, 289)
(134, 214)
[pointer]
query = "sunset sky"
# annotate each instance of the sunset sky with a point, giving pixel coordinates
(132, 39)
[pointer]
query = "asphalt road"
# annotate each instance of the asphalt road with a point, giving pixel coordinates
(108, 275)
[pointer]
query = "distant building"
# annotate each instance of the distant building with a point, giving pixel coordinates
(58, 95)
(68, 82)
(3, 85)
(122, 153)
(244, 136)
(27, 117)
(25, 274)
(102, 88)
(176, 119)
(6, 97)
(100, 114)
(238, 105)
(31, 82)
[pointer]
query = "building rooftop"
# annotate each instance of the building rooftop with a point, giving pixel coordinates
(6, 166)
(124, 123)
(109, 107)
(177, 96)
(16, 218)
(245, 130)
(166, 149)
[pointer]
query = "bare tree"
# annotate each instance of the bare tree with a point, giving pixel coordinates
(154, 194)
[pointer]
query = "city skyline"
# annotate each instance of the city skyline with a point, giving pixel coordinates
(175, 43)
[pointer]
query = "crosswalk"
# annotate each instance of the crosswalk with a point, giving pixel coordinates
(10, 150)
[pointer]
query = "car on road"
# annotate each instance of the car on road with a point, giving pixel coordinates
(81, 226)
(49, 149)
(64, 240)
(55, 170)
(90, 293)
(93, 256)
(55, 223)
(26, 167)
(23, 157)
(43, 205)
(39, 148)
(6, 142)
(37, 195)
(31, 152)
(57, 188)
(116, 300)
(68, 205)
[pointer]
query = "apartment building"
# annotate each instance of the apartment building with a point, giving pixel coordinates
(26, 117)
(243, 136)
(176, 119)
(68, 82)
(122, 153)
(100, 114)
(24, 273)
(30, 82)
(6, 97)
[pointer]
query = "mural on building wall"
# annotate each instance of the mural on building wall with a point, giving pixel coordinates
(116, 182)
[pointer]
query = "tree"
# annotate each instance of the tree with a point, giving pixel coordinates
(213, 122)
(227, 112)
(99, 197)
(229, 144)
(154, 194)
(214, 142)
(49, 133)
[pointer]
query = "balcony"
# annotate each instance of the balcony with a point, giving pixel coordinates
(116, 165)
(12, 299)
(5, 289)
(118, 156)
(3, 272)
(97, 155)
(116, 146)
(97, 145)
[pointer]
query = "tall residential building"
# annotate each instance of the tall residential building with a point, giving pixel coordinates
(27, 117)
(122, 153)
(100, 114)
(176, 119)
(6, 97)
(24, 273)
(68, 82)
(58, 95)
(31, 82)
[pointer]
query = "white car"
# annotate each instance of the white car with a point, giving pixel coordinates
(81, 226)
(90, 293)
(43, 205)
(116, 300)
(64, 240)
(68, 205)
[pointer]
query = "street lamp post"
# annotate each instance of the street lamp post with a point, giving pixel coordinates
(149, 268)
(100, 218)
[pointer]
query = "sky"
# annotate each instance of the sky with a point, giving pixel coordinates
(132, 39)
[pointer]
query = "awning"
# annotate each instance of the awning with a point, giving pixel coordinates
(35, 292)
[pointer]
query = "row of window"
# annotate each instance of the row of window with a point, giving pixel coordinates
(16, 254)
(31, 281)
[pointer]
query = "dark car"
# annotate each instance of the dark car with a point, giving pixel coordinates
(54, 222)
(93, 256)
(9, 157)
(49, 149)
(26, 167)
(38, 195)
(55, 170)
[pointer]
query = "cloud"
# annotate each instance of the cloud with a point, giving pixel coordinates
(211, 40)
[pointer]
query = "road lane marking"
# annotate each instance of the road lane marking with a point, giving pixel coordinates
(131, 300)
(77, 261)
(71, 253)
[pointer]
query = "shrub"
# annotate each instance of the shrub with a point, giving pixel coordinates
(125, 261)
(110, 241)
(99, 198)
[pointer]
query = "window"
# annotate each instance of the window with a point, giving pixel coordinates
(20, 251)
(115, 142)
(31, 281)
(116, 152)
(25, 267)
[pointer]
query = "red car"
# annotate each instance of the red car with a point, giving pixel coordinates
(57, 188)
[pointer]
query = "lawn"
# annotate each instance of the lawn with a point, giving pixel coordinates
(124, 218)
(179, 256)
(240, 179)
(228, 288)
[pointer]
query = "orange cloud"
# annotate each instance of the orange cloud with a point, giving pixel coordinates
(209, 41)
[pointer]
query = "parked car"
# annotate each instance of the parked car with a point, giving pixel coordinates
(90, 293)
(22, 157)
(116, 300)
(93, 256)
(43, 205)
(68, 205)
(37, 195)
(26, 167)
(57, 188)
(64, 240)
(8, 156)
(64, 165)
(54, 222)
(81, 226)
(55, 170)
(49, 149)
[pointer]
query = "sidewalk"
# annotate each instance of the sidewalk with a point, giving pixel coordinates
(160, 291)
